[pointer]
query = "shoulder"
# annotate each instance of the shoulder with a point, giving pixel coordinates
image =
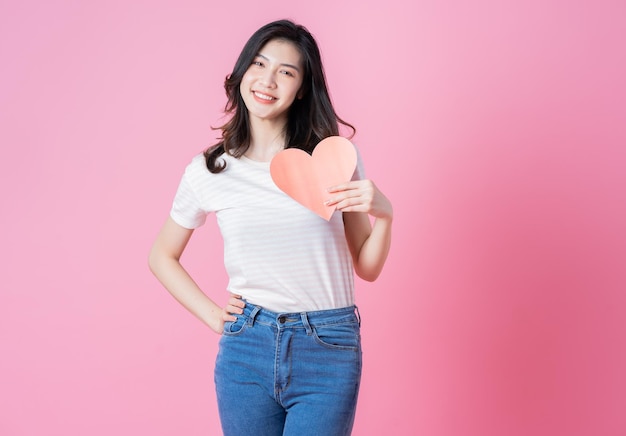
(197, 163)
(197, 168)
(197, 174)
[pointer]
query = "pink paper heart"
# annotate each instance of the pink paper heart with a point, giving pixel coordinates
(306, 178)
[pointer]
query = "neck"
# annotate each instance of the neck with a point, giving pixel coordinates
(267, 140)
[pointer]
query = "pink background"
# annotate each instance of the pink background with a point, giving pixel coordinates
(497, 129)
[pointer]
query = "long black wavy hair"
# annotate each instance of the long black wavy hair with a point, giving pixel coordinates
(310, 118)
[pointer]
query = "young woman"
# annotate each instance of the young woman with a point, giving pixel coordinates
(289, 361)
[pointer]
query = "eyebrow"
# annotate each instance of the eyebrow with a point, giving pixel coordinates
(284, 65)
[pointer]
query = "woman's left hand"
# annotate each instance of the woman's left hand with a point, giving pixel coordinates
(360, 196)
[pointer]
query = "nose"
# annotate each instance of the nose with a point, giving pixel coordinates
(267, 79)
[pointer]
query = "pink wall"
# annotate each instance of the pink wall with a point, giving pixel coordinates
(497, 128)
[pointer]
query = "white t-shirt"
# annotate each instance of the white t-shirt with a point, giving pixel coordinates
(277, 253)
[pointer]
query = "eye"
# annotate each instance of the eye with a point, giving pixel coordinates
(257, 63)
(287, 73)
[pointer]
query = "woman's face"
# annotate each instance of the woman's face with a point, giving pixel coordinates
(272, 81)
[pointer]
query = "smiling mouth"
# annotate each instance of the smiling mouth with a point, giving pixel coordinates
(264, 96)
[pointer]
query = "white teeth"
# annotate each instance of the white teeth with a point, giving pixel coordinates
(264, 97)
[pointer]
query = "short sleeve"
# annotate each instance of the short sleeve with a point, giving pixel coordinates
(359, 171)
(186, 208)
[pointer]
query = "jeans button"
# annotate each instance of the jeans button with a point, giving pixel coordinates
(281, 319)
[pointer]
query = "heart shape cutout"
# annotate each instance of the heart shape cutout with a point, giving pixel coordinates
(306, 178)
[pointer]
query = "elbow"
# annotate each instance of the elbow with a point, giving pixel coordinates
(367, 275)
(153, 261)
(160, 260)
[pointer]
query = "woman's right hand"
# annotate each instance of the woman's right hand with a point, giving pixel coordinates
(235, 305)
(164, 262)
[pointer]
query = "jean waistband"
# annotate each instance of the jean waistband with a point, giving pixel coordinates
(301, 319)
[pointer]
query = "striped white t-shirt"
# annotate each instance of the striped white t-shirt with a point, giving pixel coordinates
(277, 253)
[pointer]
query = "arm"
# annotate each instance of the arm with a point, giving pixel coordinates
(164, 262)
(368, 245)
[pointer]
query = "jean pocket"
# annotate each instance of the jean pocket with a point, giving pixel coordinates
(233, 328)
(338, 336)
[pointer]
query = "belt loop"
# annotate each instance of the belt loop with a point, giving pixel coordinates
(253, 315)
(358, 314)
(305, 321)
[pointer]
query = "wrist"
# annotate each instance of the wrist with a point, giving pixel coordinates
(386, 216)
(214, 319)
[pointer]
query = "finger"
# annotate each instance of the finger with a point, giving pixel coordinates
(228, 317)
(345, 196)
(351, 208)
(344, 186)
(236, 302)
(351, 199)
(230, 308)
(331, 201)
(355, 204)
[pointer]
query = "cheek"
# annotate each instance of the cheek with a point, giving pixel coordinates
(299, 90)
(243, 91)
(245, 81)
(291, 87)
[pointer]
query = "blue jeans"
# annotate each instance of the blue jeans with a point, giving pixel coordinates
(289, 373)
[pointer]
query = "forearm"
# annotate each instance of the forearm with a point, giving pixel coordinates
(374, 250)
(184, 289)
